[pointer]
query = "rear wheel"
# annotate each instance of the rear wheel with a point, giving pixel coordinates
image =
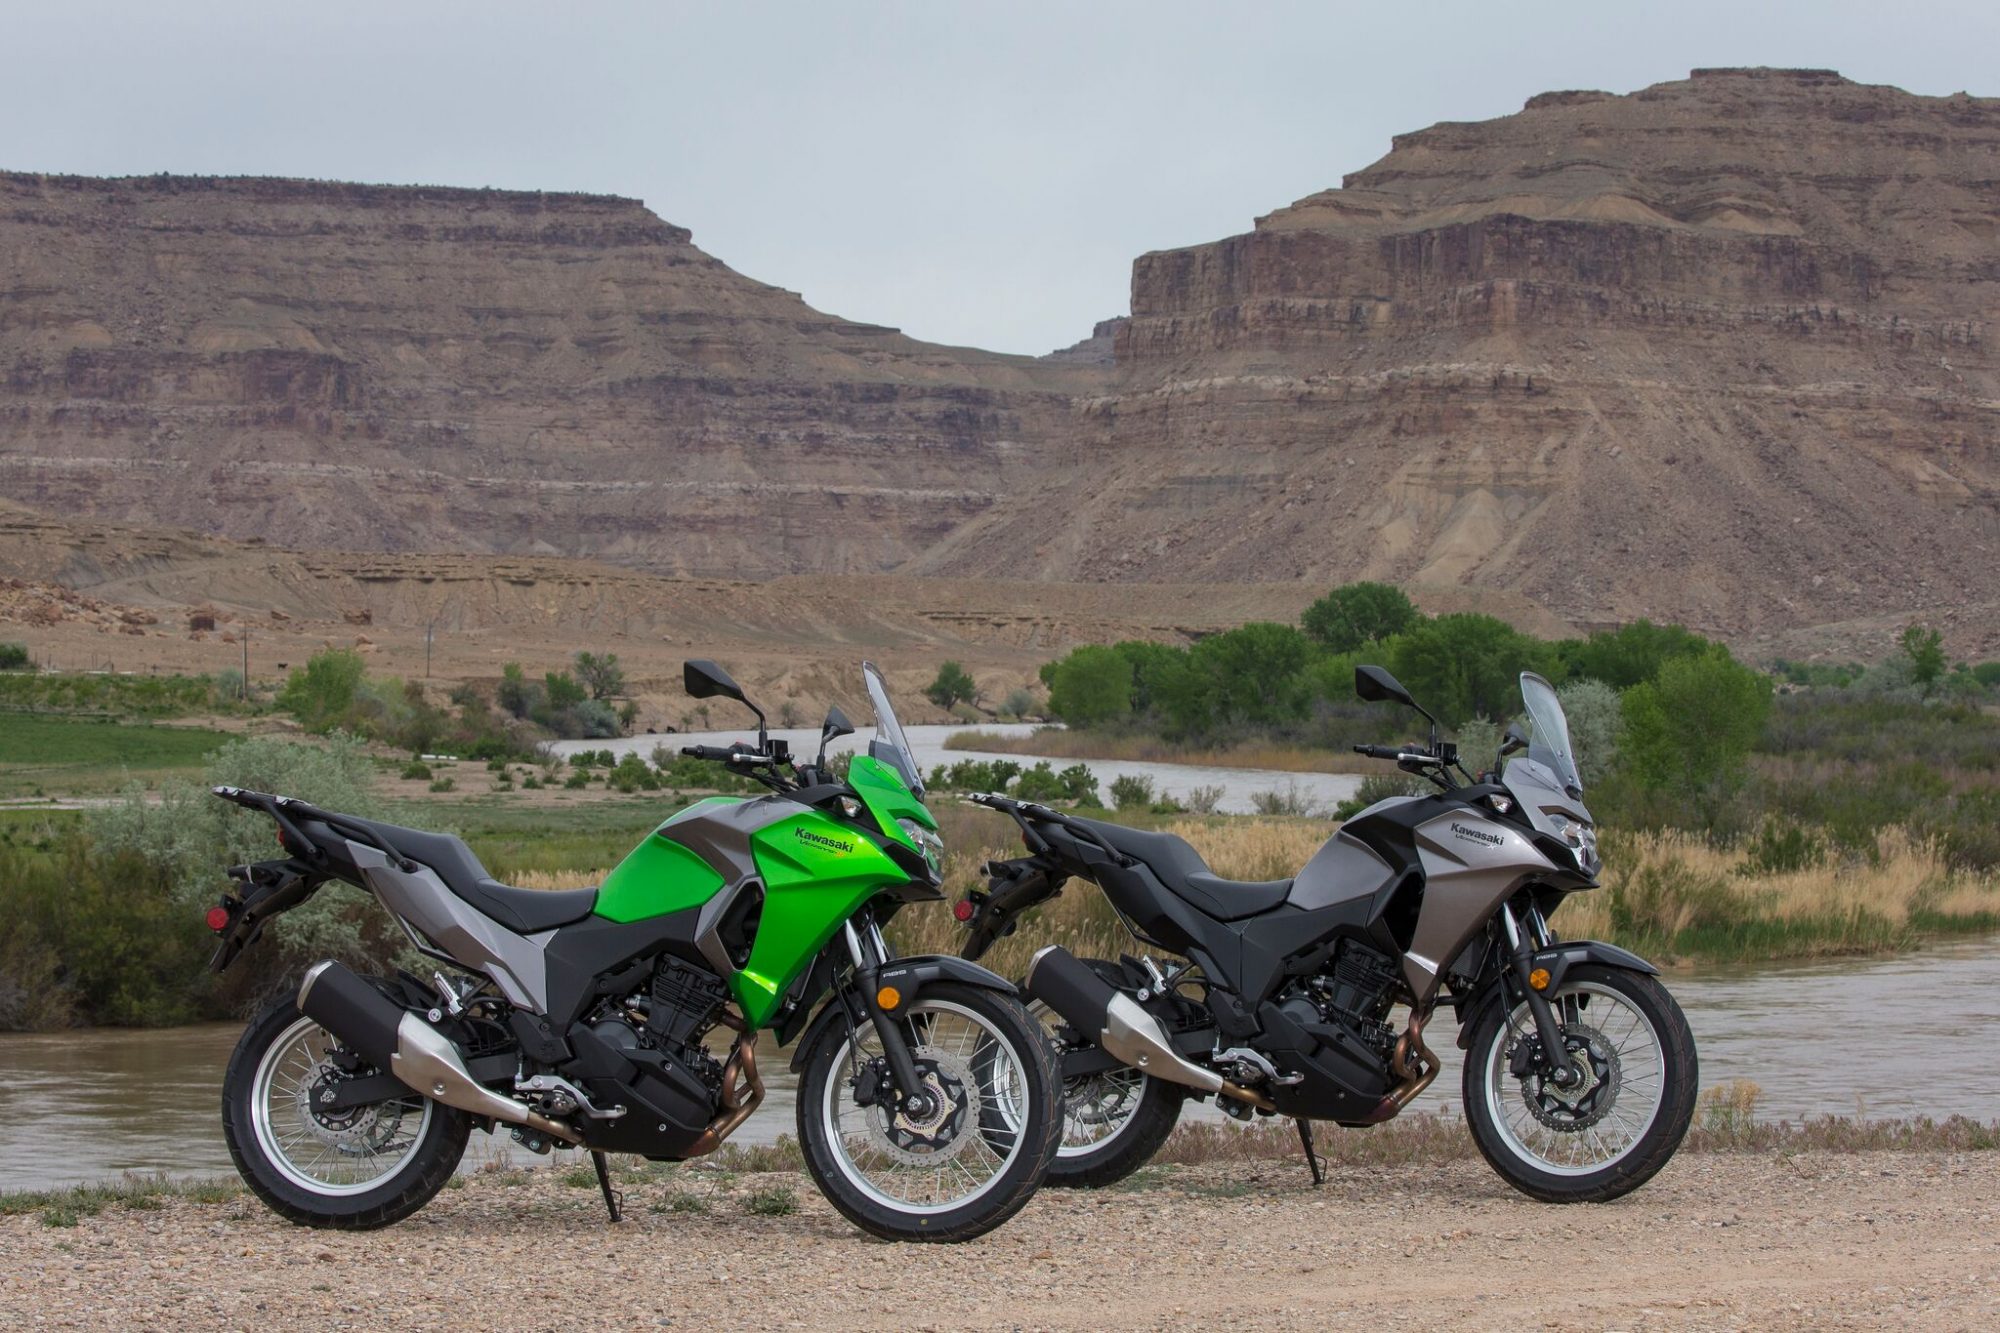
(1113, 1122)
(973, 1152)
(351, 1169)
(1607, 1133)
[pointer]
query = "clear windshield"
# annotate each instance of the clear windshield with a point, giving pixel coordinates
(890, 745)
(1550, 746)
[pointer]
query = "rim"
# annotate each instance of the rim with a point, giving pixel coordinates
(1628, 1076)
(1097, 1108)
(888, 1158)
(374, 1143)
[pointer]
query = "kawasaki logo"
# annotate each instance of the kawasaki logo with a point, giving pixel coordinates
(1490, 839)
(821, 840)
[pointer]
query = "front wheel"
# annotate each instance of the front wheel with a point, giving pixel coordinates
(971, 1155)
(349, 1169)
(1607, 1134)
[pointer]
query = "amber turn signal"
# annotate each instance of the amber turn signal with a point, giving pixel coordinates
(888, 997)
(1539, 978)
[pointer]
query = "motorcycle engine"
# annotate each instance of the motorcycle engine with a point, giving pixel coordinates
(672, 1018)
(1355, 993)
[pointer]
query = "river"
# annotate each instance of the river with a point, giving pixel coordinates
(1238, 787)
(1903, 1036)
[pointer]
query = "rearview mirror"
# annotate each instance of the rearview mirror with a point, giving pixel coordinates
(1374, 685)
(835, 726)
(1514, 741)
(703, 679)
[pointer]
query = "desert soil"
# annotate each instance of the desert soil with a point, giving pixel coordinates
(1812, 1240)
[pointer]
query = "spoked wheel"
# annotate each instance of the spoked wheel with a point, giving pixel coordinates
(969, 1154)
(1113, 1122)
(352, 1168)
(1607, 1132)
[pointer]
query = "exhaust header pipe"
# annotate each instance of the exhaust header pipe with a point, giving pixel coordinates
(401, 1043)
(1118, 1024)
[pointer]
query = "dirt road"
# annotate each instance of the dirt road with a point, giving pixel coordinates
(1816, 1240)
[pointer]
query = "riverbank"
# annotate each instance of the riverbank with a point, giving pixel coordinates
(1809, 1239)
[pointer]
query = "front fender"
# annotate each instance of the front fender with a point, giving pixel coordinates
(912, 976)
(1558, 959)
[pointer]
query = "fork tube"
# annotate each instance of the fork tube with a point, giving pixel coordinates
(1555, 1054)
(867, 974)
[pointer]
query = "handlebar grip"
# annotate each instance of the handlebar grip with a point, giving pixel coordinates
(1379, 751)
(707, 752)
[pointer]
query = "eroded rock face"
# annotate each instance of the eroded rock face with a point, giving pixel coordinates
(401, 369)
(1720, 350)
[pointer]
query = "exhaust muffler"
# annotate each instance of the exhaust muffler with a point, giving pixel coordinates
(400, 1042)
(1118, 1024)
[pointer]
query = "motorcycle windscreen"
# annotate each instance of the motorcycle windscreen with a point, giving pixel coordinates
(1551, 747)
(890, 745)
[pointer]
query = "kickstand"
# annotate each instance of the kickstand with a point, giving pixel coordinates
(613, 1199)
(1312, 1158)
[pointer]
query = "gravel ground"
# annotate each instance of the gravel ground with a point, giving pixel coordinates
(1814, 1240)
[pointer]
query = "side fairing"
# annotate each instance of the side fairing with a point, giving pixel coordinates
(1471, 865)
(1344, 869)
(817, 873)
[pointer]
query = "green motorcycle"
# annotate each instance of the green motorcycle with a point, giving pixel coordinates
(625, 1018)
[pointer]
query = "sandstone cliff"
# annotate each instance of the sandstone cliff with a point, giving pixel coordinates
(1720, 350)
(410, 369)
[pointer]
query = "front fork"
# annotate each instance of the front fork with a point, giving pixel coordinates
(1521, 945)
(869, 955)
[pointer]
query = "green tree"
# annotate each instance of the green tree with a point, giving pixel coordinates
(953, 685)
(1924, 647)
(1467, 665)
(1091, 687)
(1693, 726)
(1253, 672)
(1358, 613)
(562, 690)
(1623, 657)
(321, 693)
(602, 676)
(13, 657)
(517, 694)
(1151, 663)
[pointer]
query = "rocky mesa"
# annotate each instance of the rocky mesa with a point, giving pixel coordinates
(1719, 350)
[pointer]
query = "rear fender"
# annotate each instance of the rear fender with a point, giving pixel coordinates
(1558, 959)
(912, 977)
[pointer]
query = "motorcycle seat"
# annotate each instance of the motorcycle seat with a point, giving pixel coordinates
(525, 910)
(1182, 872)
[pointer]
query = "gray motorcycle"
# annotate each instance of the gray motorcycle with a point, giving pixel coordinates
(1276, 998)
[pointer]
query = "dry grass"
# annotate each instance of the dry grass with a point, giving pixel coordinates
(1673, 894)
(1669, 895)
(1063, 743)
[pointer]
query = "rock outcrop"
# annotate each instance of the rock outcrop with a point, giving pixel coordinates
(410, 369)
(1720, 350)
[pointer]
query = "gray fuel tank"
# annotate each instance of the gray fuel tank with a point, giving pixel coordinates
(1344, 869)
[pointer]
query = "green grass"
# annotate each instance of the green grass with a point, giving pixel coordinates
(57, 756)
(66, 1207)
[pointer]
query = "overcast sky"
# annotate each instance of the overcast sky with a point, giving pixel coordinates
(971, 174)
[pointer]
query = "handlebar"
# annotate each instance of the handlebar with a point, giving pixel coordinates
(1380, 751)
(719, 753)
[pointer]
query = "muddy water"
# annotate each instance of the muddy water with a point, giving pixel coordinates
(1892, 1037)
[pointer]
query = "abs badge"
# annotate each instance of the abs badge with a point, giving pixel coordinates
(822, 841)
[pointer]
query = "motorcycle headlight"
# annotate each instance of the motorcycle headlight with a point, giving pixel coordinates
(1580, 838)
(928, 842)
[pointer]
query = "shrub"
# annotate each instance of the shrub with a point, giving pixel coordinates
(602, 676)
(979, 775)
(952, 685)
(1019, 703)
(1091, 687)
(577, 781)
(1694, 725)
(1358, 614)
(1042, 783)
(1924, 647)
(517, 694)
(14, 657)
(321, 693)
(1630, 654)
(1203, 800)
(1596, 726)
(1131, 791)
(444, 784)
(416, 771)
(1289, 801)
